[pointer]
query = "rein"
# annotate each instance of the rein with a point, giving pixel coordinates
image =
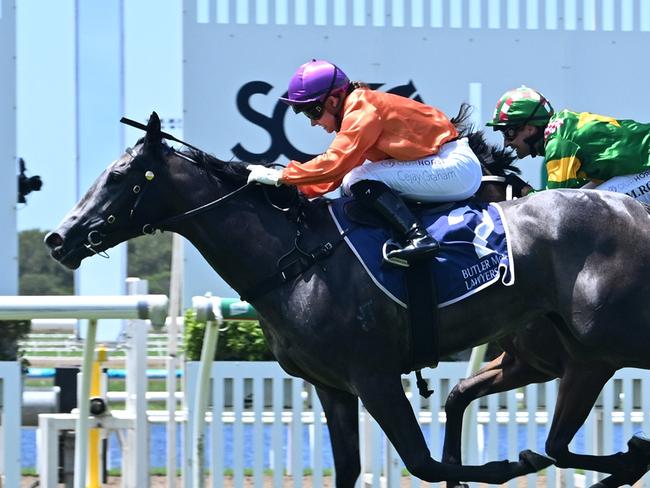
(151, 228)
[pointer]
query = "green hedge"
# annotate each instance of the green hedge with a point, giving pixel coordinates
(11, 331)
(238, 340)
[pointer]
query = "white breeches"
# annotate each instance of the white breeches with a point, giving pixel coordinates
(452, 175)
(637, 186)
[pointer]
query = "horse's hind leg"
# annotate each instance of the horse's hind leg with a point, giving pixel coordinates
(639, 448)
(384, 398)
(342, 413)
(579, 388)
(501, 374)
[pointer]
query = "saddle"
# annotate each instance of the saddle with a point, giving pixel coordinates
(421, 289)
(362, 215)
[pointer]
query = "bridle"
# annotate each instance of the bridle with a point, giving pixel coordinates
(95, 237)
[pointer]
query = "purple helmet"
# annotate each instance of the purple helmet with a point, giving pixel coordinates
(314, 82)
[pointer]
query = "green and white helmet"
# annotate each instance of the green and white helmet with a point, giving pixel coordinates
(519, 107)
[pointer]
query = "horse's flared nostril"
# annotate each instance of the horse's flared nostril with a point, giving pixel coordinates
(53, 240)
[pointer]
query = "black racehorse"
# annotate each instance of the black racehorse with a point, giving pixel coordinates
(329, 324)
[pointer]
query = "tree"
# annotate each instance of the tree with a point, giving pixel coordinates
(38, 273)
(149, 258)
(12, 332)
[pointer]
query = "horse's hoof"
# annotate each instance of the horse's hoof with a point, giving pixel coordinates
(536, 461)
(639, 444)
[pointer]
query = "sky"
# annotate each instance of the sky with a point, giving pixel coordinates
(46, 95)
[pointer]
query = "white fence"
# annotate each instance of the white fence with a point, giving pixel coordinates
(153, 307)
(261, 418)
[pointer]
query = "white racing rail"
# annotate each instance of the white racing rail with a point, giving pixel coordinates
(92, 308)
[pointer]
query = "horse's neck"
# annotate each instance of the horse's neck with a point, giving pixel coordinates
(241, 240)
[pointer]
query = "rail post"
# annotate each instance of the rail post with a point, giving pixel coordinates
(94, 447)
(136, 460)
(213, 311)
(208, 309)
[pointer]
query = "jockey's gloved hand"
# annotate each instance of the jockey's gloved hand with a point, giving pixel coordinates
(262, 174)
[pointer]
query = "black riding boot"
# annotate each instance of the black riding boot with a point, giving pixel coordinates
(379, 197)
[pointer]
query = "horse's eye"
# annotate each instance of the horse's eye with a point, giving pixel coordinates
(115, 176)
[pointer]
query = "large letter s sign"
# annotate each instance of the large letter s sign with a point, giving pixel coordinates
(273, 125)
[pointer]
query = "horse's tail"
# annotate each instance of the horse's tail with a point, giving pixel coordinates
(461, 120)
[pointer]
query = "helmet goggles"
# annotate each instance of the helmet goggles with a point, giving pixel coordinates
(509, 132)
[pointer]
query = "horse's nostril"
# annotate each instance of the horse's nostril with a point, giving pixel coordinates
(53, 240)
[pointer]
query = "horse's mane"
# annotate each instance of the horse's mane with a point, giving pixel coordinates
(234, 171)
(498, 160)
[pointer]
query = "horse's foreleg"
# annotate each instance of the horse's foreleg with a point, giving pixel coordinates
(501, 374)
(342, 412)
(385, 400)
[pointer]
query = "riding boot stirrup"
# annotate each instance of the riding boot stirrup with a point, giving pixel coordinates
(420, 245)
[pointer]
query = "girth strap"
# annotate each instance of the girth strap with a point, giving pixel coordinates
(423, 316)
(291, 270)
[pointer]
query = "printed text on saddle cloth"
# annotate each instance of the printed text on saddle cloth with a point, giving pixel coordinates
(637, 186)
(474, 251)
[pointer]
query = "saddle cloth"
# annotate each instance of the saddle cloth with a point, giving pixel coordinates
(474, 251)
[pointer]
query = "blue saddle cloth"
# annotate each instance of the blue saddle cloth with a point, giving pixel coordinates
(474, 251)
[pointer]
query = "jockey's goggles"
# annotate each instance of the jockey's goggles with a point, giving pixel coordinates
(509, 133)
(313, 111)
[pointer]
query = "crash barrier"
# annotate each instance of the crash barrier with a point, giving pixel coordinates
(259, 418)
(92, 308)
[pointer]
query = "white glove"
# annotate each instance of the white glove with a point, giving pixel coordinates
(262, 174)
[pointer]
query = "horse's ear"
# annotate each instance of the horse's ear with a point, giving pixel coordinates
(153, 130)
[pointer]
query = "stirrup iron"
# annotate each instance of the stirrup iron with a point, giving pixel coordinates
(392, 245)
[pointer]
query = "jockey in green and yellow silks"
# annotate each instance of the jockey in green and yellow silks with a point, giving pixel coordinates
(578, 148)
